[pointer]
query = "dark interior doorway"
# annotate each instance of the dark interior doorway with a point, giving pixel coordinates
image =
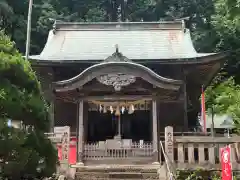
(101, 126)
(136, 126)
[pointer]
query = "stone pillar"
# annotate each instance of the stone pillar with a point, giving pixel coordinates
(65, 144)
(63, 133)
(155, 133)
(169, 143)
(80, 133)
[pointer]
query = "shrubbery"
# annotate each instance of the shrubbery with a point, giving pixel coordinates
(22, 153)
(199, 175)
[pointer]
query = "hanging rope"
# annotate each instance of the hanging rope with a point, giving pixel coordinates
(118, 103)
(118, 107)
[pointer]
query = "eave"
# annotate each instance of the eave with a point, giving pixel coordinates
(206, 58)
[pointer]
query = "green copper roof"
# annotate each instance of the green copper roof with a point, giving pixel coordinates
(136, 41)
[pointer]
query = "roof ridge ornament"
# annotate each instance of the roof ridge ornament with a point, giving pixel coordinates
(117, 49)
(117, 56)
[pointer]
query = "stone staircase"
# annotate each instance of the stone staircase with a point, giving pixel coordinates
(117, 172)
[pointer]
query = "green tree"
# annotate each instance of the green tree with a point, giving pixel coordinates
(44, 12)
(5, 10)
(19, 87)
(22, 152)
(226, 23)
(224, 98)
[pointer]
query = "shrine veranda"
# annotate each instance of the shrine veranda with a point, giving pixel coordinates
(118, 85)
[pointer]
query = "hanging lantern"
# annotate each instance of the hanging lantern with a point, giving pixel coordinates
(111, 109)
(117, 113)
(131, 109)
(104, 109)
(122, 109)
(100, 108)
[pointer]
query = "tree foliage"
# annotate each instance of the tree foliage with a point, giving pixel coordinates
(199, 174)
(224, 94)
(22, 153)
(25, 154)
(20, 96)
(45, 11)
(5, 11)
(204, 22)
(226, 23)
(224, 98)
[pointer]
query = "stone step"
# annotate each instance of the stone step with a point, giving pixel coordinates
(119, 170)
(117, 176)
(117, 173)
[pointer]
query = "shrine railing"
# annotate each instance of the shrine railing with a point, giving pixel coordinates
(182, 151)
(200, 151)
(204, 150)
(104, 150)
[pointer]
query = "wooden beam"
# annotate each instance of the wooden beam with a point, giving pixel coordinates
(128, 98)
(89, 98)
(117, 97)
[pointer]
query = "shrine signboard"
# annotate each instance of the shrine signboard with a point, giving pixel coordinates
(64, 133)
(169, 143)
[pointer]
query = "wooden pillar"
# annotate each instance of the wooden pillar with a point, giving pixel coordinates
(46, 78)
(52, 113)
(154, 130)
(185, 103)
(50, 97)
(80, 140)
(77, 131)
(85, 120)
(159, 133)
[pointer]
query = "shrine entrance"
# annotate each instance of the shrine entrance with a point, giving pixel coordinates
(135, 126)
(166, 70)
(117, 114)
(100, 126)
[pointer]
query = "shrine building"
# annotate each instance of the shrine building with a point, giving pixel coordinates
(123, 82)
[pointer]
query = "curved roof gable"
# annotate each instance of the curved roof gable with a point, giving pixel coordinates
(117, 64)
(95, 41)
